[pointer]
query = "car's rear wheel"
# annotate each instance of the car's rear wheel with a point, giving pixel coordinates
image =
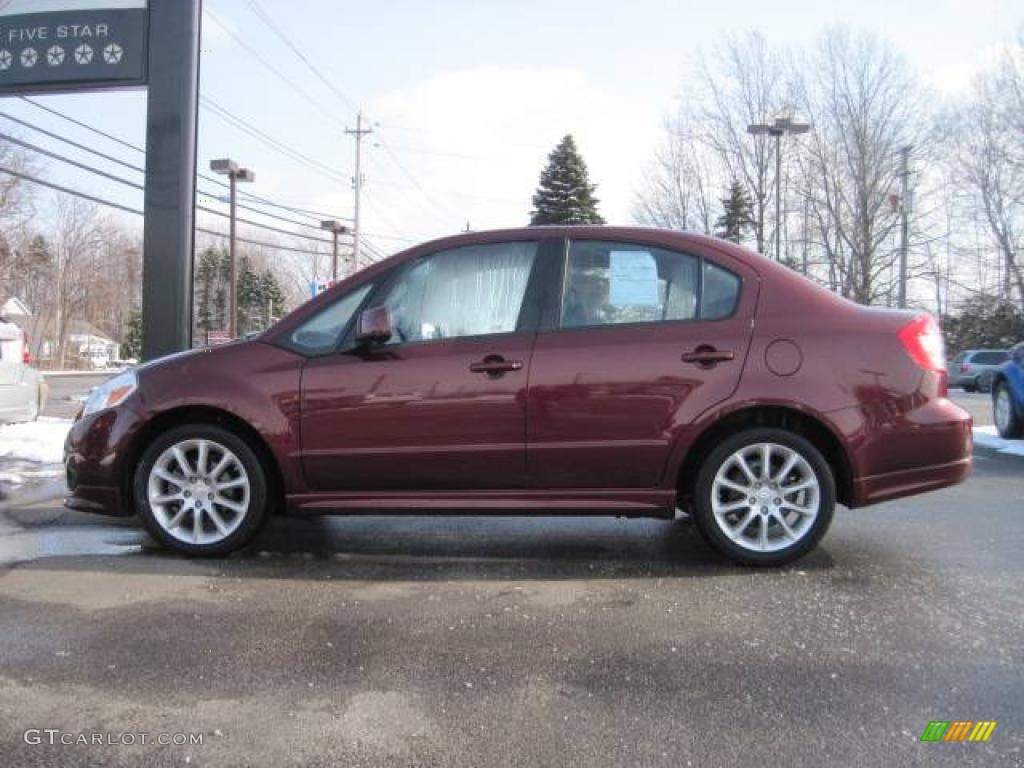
(1008, 420)
(764, 496)
(200, 490)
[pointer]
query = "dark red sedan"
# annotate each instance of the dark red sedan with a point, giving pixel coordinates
(577, 370)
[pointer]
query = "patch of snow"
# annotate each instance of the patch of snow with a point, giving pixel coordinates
(989, 438)
(40, 442)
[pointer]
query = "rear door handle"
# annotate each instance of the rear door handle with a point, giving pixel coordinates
(707, 356)
(495, 365)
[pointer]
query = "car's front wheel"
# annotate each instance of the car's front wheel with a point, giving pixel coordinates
(200, 490)
(1008, 421)
(764, 497)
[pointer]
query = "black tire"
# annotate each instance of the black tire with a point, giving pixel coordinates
(1014, 426)
(971, 386)
(253, 517)
(704, 515)
(985, 383)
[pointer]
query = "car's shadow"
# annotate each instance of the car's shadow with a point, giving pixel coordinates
(416, 549)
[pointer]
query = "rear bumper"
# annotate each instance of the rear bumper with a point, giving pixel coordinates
(922, 450)
(908, 482)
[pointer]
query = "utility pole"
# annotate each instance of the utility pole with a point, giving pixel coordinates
(357, 183)
(229, 168)
(778, 129)
(905, 205)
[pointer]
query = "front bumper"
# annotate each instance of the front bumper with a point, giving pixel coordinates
(97, 462)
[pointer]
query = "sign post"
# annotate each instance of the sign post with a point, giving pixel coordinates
(67, 46)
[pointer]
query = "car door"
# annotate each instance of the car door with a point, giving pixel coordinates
(442, 404)
(12, 396)
(644, 340)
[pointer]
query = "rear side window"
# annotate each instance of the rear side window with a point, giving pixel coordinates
(721, 292)
(609, 283)
(990, 358)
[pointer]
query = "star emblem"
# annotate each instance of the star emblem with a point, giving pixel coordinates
(29, 57)
(5, 59)
(112, 53)
(83, 54)
(55, 56)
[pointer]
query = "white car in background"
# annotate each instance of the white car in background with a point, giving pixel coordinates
(22, 389)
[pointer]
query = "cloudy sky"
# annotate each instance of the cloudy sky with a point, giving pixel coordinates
(467, 97)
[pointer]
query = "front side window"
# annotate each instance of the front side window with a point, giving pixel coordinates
(471, 291)
(320, 333)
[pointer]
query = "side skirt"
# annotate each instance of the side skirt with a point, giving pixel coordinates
(656, 502)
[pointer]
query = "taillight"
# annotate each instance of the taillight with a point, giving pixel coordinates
(965, 367)
(26, 355)
(922, 339)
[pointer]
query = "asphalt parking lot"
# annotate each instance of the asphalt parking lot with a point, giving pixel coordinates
(473, 641)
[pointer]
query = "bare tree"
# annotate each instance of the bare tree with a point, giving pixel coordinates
(742, 83)
(79, 235)
(986, 142)
(679, 191)
(865, 107)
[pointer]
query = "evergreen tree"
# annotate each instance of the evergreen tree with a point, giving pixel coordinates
(208, 289)
(273, 298)
(737, 217)
(565, 194)
(250, 297)
(132, 345)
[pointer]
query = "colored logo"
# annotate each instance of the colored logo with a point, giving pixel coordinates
(959, 730)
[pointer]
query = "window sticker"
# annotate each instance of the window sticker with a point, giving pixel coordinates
(633, 279)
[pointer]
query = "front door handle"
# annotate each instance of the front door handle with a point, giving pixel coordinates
(495, 366)
(707, 356)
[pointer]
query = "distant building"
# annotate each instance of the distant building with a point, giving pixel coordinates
(87, 345)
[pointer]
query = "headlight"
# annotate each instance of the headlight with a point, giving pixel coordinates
(111, 393)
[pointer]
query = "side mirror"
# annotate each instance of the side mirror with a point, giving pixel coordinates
(374, 326)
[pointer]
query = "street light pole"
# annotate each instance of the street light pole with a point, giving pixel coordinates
(230, 168)
(335, 228)
(905, 203)
(778, 129)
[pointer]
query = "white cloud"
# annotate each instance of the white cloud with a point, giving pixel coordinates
(475, 140)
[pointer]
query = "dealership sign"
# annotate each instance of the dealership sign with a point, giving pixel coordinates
(56, 45)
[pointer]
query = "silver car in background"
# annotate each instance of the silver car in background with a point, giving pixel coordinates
(972, 369)
(22, 389)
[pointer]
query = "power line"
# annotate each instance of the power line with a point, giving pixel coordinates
(252, 223)
(69, 191)
(270, 141)
(259, 57)
(405, 172)
(315, 215)
(134, 185)
(136, 211)
(80, 124)
(69, 161)
(68, 141)
(265, 18)
(273, 246)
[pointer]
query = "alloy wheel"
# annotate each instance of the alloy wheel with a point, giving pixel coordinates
(199, 491)
(765, 497)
